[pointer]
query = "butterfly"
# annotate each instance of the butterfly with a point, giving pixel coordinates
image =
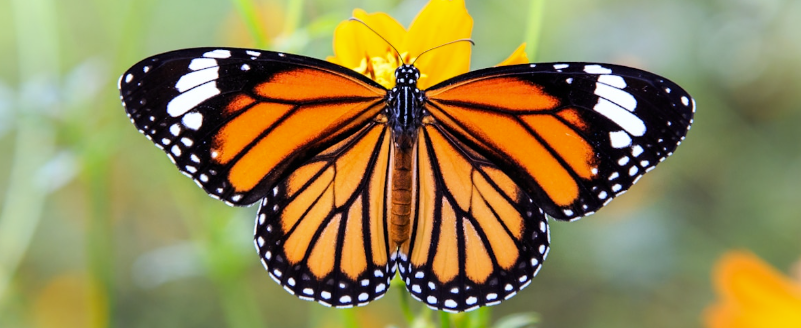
(449, 186)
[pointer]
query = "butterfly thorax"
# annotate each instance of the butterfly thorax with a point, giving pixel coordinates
(404, 106)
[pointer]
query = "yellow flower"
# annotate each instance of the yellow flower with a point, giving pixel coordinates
(440, 22)
(752, 294)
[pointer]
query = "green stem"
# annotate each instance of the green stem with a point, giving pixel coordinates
(249, 12)
(534, 28)
(37, 50)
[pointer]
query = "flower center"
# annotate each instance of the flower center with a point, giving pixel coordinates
(382, 69)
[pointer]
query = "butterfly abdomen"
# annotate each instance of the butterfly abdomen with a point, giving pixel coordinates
(401, 195)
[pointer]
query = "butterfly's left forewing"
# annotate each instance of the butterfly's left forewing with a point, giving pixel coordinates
(573, 135)
(237, 121)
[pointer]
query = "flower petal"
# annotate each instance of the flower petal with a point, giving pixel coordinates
(747, 279)
(753, 294)
(517, 57)
(440, 22)
(353, 41)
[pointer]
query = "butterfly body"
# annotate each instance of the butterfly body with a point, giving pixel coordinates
(449, 186)
(404, 106)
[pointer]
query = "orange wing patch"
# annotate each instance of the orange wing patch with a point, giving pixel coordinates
(446, 255)
(573, 149)
(476, 255)
(469, 200)
(243, 129)
(320, 262)
(239, 102)
(354, 260)
(304, 84)
(331, 194)
(291, 129)
(508, 93)
(571, 116)
(510, 138)
(477, 237)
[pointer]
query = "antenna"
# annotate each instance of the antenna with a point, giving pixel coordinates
(442, 45)
(400, 59)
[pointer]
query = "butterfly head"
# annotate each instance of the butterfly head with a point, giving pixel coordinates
(407, 75)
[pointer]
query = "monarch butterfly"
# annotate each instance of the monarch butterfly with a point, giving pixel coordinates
(450, 186)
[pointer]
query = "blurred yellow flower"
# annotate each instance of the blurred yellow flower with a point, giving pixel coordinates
(440, 22)
(752, 294)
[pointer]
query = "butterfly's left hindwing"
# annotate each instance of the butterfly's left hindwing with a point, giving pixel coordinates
(321, 232)
(573, 135)
(236, 121)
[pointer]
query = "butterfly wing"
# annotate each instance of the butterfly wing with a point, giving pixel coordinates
(572, 135)
(321, 231)
(237, 121)
(304, 136)
(477, 238)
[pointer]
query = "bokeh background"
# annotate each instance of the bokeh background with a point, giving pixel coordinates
(98, 229)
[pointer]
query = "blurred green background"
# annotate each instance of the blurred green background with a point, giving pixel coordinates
(98, 229)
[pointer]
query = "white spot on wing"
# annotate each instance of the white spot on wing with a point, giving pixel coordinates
(219, 53)
(202, 63)
(196, 78)
(597, 69)
(623, 118)
(613, 80)
(193, 120)
(188, 100)
(175, 150)
(619, 139)
(617, 96)
(636, 150)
